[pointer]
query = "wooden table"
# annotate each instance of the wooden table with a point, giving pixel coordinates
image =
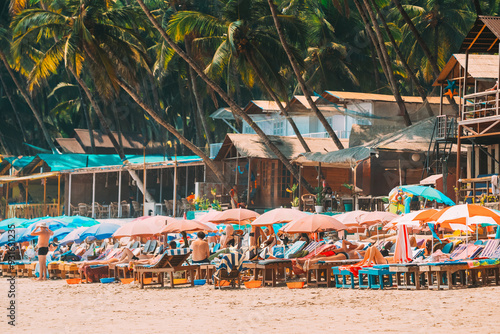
(405, 274)
(436, 273)
(271, 271)
(206, 271)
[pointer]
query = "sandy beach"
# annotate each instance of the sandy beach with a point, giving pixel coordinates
(55, 307)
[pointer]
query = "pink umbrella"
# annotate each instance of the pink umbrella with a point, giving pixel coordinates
(313, 224)
(235, 216)
(281, 215)
(376, 217)
(402, 254)
(350, 219)
(185, 226)
(208, 216)
(143, 226)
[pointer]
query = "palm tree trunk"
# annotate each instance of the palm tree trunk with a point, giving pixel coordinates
(105, 126)
(183, 140)
(86, 114)
(16, 112)
(410, 72)
(385, 58)
(278, 102)
(234, 107)
(4, 147)
(197, 97)
(477, 6)
(423, 45)
(300, 79)
(30, 104)
(194, 112)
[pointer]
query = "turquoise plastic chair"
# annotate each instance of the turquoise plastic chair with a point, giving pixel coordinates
(447, 248)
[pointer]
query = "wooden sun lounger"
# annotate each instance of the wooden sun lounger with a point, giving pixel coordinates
(271, 270)
(438, 274)
(171, 262)
(408, 276)
(323, 272)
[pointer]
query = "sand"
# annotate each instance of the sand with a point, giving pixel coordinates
(55, 307)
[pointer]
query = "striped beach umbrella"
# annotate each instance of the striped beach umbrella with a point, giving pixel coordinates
(402, 253)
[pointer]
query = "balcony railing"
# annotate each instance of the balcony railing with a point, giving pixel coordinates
(31, 211)
(446, 127)
(477, 190)
(479, 105)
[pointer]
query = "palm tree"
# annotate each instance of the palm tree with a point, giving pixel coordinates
(232, 104)
(242, 35)
(300, 79)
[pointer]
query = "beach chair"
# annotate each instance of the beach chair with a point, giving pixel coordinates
(170, 262)
(294, 249)
(229, 270)
(489, 249)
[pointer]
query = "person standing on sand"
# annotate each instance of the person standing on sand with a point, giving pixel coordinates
(43, 248)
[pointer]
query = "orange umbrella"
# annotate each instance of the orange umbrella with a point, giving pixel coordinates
(277, 216)
(376, 217)
(313, 224)
(208, 216)
(412, 219)
(235, 216)
(460, 214)
(185, 226)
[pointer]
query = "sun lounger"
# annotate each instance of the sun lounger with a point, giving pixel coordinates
(376, 277)
(170, 262)
(229, 270)
(271, 271)
(489, 249)
(469, 252)
(295, 248)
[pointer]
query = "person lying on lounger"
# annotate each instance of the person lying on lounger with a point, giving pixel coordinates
(346, 252)
(125, 256)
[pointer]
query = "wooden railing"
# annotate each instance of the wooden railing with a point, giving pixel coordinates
(479, 105)
(477, 190)
(31, 211)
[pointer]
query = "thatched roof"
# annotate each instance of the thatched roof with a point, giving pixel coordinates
(251, 146)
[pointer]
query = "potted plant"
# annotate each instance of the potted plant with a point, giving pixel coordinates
(320, 196)
(295, 200)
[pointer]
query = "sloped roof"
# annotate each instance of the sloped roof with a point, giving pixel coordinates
(413, 138)
(339, 97)
(70, 145)
(251, 146)
(480, 66)
(129, 141)
(483, 36)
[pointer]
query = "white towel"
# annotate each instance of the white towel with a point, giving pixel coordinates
(495, 186)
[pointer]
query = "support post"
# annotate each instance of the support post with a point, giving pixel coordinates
(319, 174)
(7, 202)
(26, 209)
(466, 71)
(249, 180)
(300, 185)
(120, 194)
(59, 194)
(68, 209)
(497, 158)
(236, 172)
(144, 185)
(441, 100)
(175, 189)
(498, 83)
(93, 195)
(459, 135)
(44, 197)
(187, 181)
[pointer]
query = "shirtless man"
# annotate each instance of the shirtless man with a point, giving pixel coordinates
(201, 250)
(43, 248)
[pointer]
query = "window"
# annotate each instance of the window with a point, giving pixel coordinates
(272, 181)
(284, 181)
(278, 127)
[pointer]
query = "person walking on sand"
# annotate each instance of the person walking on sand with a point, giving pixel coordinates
(43, 248)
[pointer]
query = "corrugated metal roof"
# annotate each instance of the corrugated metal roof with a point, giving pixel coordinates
(483, 36)
(338, 97)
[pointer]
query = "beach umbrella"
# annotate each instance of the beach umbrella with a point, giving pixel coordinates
(459, 214)
(402, 253)
(208, 216)
(350, 219)
(73, 236)
(4, 224)
(313, 224)
(61, 233)
(413, 219)
(146, 226)
(235, 216)
(101, 231)
(428, 193)
(278, 216)
(53, 223)
(376, 217)
(78, 221)
(183, 225)
(12, 236)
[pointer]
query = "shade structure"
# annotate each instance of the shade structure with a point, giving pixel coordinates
(428, 193)
(61, 233)
(376, 217)
(313, 224)
(459, 214)
(78, 221)
(208, 216)
(350, 219)
(4, 224)
(278, 216)
(73, 236)
(53, 223)
(146, 226)
(412, 219)
(402, 253)
(235, 216)
(101, 231)
(12, 236)
(186, 226)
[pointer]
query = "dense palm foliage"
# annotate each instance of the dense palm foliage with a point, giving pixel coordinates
(49, 44)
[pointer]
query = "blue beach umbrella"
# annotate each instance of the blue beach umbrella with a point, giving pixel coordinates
(52, 223)
(429, 193)
(101, 231)
(78, 221)
(73, 236)
(61, 233)
(4, 224)
(15, 235)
